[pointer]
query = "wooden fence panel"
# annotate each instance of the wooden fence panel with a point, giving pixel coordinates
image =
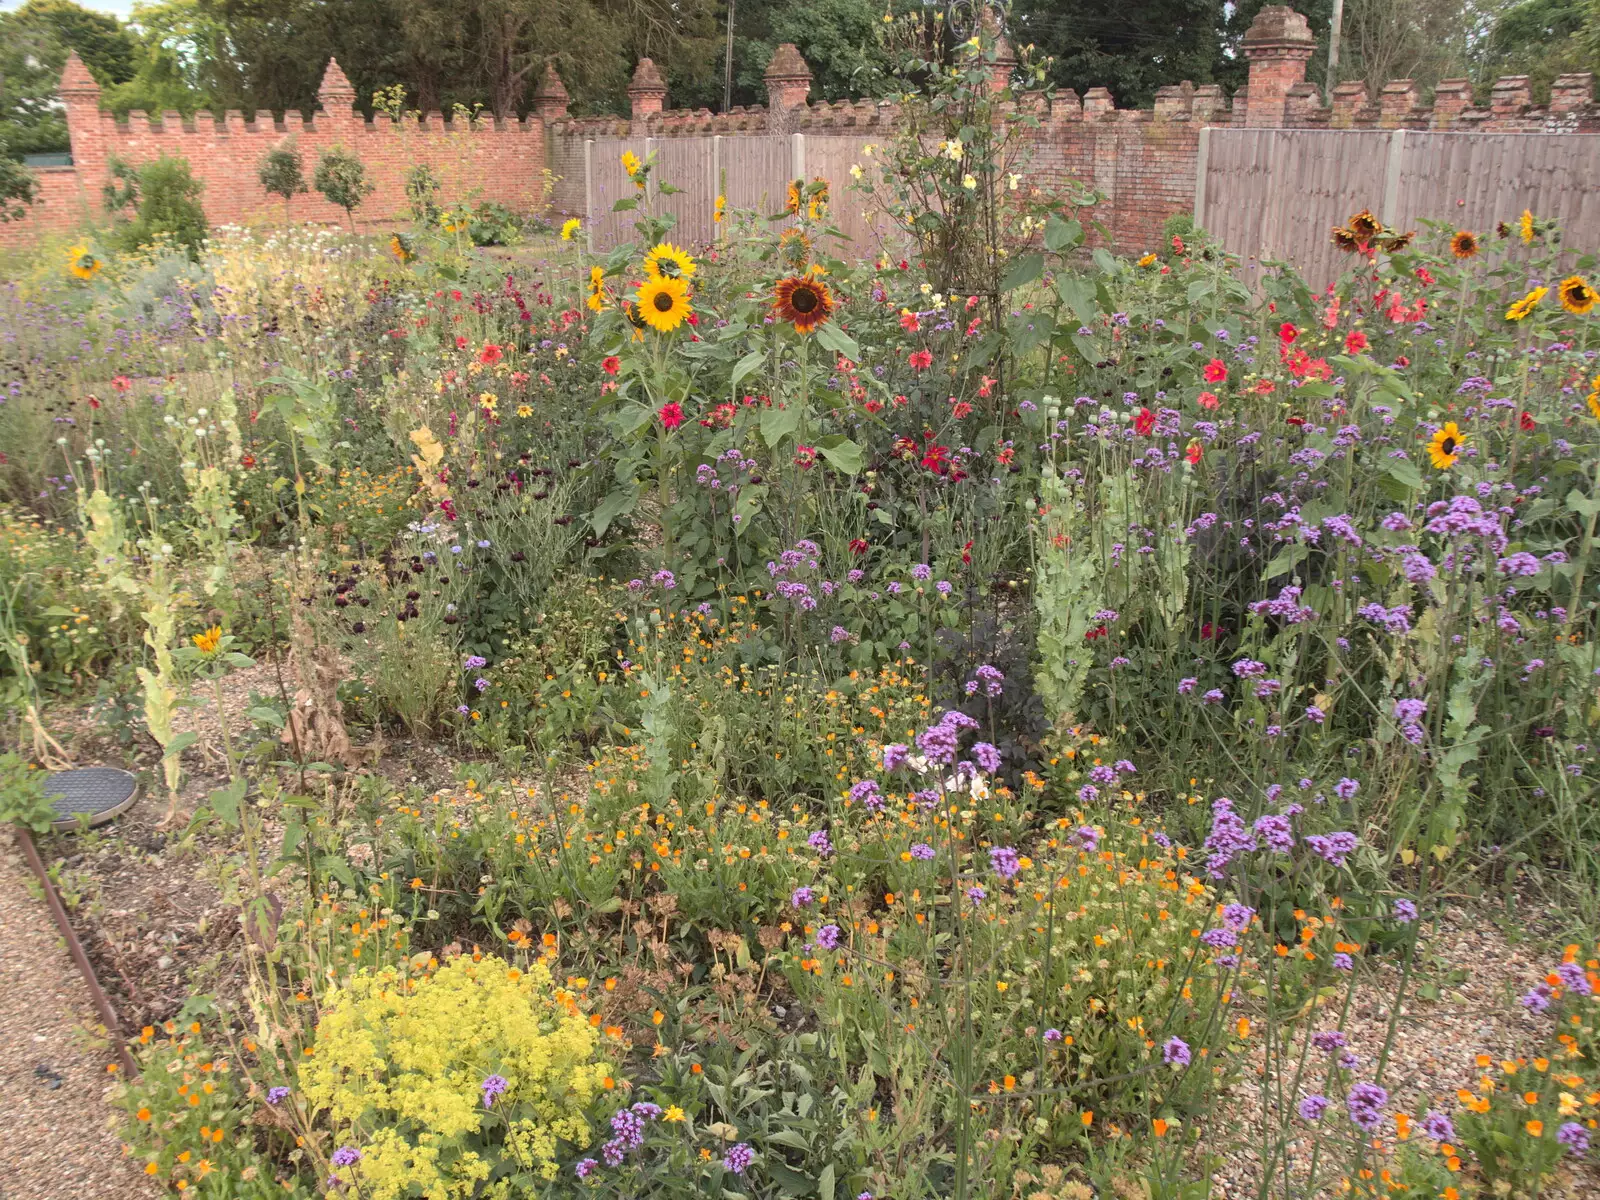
(1276, 193)
(608, 183)
(757, 171)
(852, 213)
(687, 163)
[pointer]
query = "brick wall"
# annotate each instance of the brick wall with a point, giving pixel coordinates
(1142, 162)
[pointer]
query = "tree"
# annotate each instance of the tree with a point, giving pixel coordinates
(1130, 49)
(281, 174)
(18, 188)
(166, 198)
(1540, 39)
(342, 178)
(34, 44)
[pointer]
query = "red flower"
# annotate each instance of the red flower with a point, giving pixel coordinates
(1216, 371)
(904, 448)
(1400, 360)
(94, 401)
(671, 414)
(461, 341)
(1207, 400)
(1099, 631)
(610, 364)
(1144, 424)
(1295, 420)
(966, 554)
(961, 409)
(805, 457)
(1355, 342)
(490, 354)
(1177, 244)
(937, 459)
(455, 294)
(1527, 422)
(858, 545)
(1287, 332)
(909, 322)
(122, 383)
(247, 461)
(921, 360)
(873, 406)
(1209, 631)
(1193, 453)
(1424, 275)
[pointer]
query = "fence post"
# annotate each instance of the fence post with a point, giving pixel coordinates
(588, 190)
(1200, 176)
(716, 180)
(1391, 177)
(797, 155)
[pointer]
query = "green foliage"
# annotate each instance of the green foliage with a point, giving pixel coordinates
(281, 173)
(342, 178)
(24, 799)
(165, 197)
(18, 188)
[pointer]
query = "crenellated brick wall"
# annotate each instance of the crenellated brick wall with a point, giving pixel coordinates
(1143, 162)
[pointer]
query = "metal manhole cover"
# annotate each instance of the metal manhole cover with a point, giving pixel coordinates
(98, 793)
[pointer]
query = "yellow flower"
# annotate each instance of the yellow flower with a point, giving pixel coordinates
(630, 163)
(82, 263)
(720, 210)
(666, 261)
(663, 303)
(208, 641)
(1594, 397)
(1147, 260)
(673, 1113)
(1446, 445)
(570, 227)
(524, 410)
(400, 248)
(1527, 304)
(597, 289)
(1577, 295)
(794, 196)
(1525, 225)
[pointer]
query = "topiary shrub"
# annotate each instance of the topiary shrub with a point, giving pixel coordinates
(342, 178)
(463, 1082)
(165, 197)
(281, 174)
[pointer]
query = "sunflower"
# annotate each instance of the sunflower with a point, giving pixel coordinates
(208, 641)
(1464, 244)
(630, 163)
(1345, 240)
(719, 210)
(794, 248)
(1365, 226)
(400, 247)
(1578, 295)
(1446, 445)
(794, 195)
(663, 303)
(1398, 242)
(666, 261)
(818, 204)
(1527, 304)
(804, 301)
(1525, 226)
(597, 289)
(1594, 397)
(569, 228)
(631, 311)
(83, 263)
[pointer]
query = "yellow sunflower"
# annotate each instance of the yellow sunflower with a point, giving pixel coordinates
(1525, 226)
(794, 195)
(1365, 226)
(630, 163)
(1345, 240)
(1464, 244)
(1446, 445)
(666, 261)
(208, 641)
(631, 311)
(597, 289)
(1578, 295)
(400, 247)
(794, 248)
(804, 301)
(720, 210)
(569, 228)
(83, 263)
(1594, 398)
(818, 204)
(1147, 260)
(663, 303)
(1527, 304)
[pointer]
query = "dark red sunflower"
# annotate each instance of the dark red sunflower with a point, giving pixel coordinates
(804, 301)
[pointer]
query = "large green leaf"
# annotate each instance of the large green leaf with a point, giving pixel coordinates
(844, 454)
(777, 424)
(1025, 270)
(831, 337)
(1061, 235)
(613, 506)
(1078, 294)
(745, 365)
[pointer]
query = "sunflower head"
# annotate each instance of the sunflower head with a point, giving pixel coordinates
(1464, 244)
(631, 163)
(400, 248)
(794, 248)
(1525, 227)
(569, 228)
(666, 261)
(630, 310)
(1398, 242)
(207, 641)
(720, 210)
(597, 289)
(1365, 226)
(1345, 239)
(794, 195)
(1445, 447)
(1578, 295)
(804, 301)
(663, 303)
(82, 262)
(1527, 304)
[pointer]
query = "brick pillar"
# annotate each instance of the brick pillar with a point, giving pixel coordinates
(1349, 103)
(1278, 45)
(788, 86)
(1451, 98)
(1005, 57)
(1509, 99)
(1571, 92)
(550, 101)
(647, 94)
(336, 97)
(85, 127)
(1395, 102)
(1097, 102)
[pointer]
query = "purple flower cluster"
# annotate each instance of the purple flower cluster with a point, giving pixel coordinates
(819, 842)
(866, 792)
(628, 1124)
(941, 740)
(1175, 1053)
(1005, 861)
(493, 1086)
(738, 1158)
(828, 937)
(1333, 847)
(345, 1156)
(1229, 837)
(1366, 1103)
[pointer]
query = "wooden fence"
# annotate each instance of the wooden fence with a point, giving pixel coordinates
(753, 172)
(1276, 193)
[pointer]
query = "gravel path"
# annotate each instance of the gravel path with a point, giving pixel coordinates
(55, 1142)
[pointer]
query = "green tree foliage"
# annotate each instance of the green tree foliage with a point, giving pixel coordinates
(1542, 39)
(34, 44)
(281, 174)
(165, 198)
(18, 188)
(342, 178)
(1132, 49)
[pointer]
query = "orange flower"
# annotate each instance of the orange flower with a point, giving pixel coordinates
(1535, 1128)
(1159, 1126)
